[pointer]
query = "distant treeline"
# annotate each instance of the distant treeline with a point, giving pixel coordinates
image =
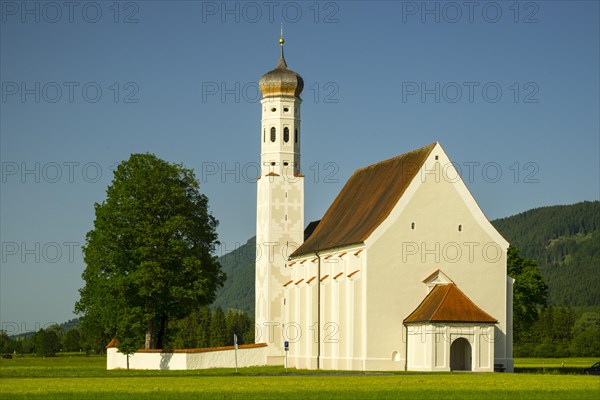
(562, 332)
(202, 328)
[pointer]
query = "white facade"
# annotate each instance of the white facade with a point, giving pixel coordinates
(431, 346)
(368, 289)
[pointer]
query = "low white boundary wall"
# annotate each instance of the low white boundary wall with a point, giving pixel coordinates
(218, 357)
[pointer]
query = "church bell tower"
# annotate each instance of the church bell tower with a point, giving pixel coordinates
(280, 198)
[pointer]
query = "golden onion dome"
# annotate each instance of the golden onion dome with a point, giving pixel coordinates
(281, 81)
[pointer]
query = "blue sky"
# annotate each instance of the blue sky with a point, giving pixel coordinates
(510, 90)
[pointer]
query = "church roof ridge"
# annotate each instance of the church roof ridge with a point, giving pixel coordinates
(365, 201)
(394, 158)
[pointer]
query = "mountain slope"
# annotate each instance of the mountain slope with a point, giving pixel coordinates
(238, 290)
(564, 239)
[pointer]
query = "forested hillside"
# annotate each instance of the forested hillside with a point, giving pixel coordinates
(564, 239)
(238, 291)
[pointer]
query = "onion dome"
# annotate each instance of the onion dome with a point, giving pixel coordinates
(281, 81)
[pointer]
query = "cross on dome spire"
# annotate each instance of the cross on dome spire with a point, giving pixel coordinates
(281, 42)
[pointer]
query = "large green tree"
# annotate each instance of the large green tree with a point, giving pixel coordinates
(149, 258)
(530, 293)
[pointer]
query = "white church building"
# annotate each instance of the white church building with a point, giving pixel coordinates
(403, 271)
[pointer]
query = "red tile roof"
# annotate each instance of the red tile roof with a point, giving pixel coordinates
(447, 303)
(114, 343)
(365, 202)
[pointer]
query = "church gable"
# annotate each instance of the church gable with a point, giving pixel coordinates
(365, 202)
(436, 278)
(438, 173)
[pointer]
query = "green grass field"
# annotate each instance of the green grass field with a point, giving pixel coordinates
(80, 377)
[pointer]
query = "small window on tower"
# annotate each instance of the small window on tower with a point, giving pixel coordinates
(285, 109)
(412, 225)
(296, 135)
(273, 109)
(273, 135)
(460, 228)
(286, 134)
(285, 164)
(264, 135)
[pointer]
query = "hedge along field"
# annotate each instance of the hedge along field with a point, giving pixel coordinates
(575, 362)
(87, 378)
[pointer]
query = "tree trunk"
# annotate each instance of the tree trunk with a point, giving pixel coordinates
(149, 335)
(162, 333)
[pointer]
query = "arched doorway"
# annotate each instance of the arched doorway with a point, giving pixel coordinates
(460, 355)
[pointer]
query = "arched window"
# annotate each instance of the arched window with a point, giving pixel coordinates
(273, 134)
(296, 135)
(286, 134)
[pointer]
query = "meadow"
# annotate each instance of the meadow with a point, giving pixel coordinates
(80, 377)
